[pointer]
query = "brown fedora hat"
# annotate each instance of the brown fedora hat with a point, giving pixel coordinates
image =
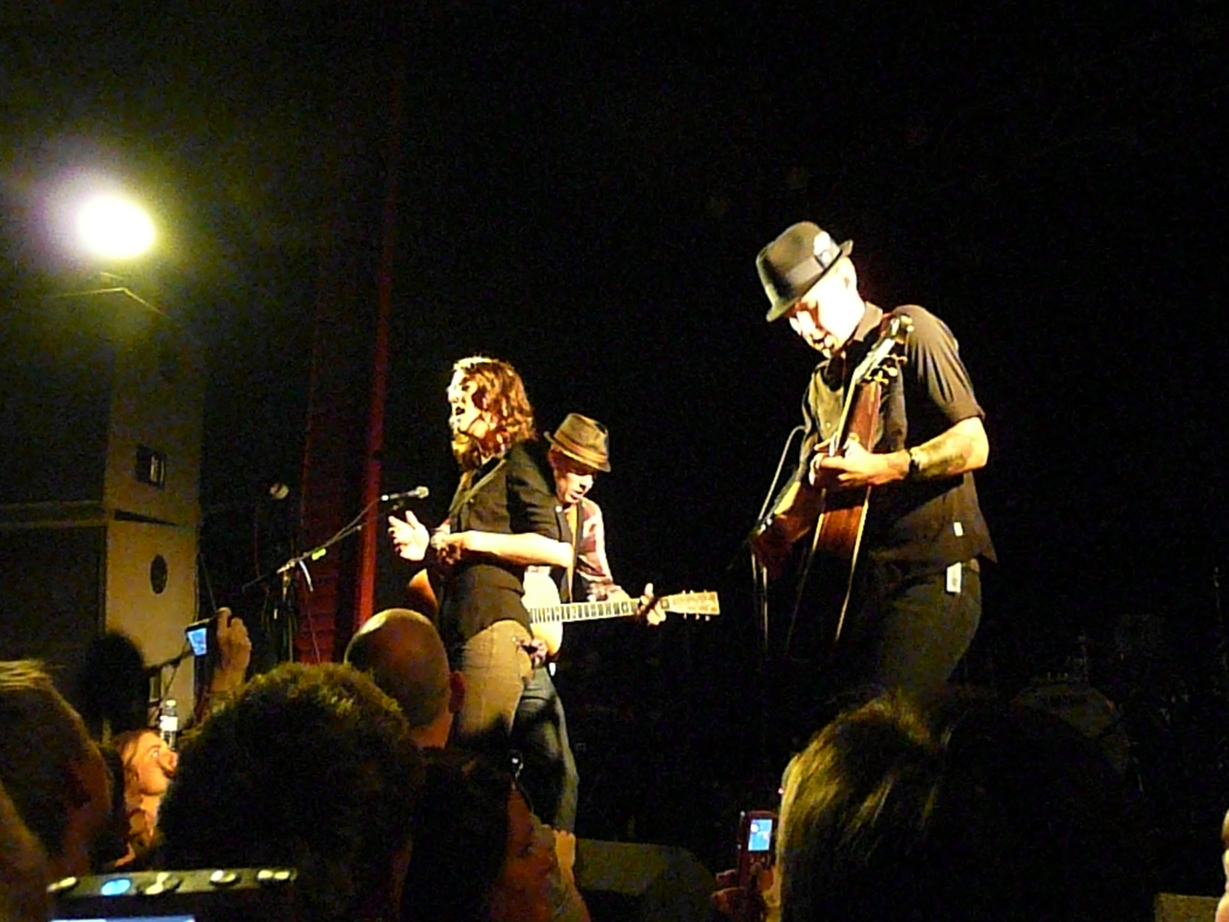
(584, 440)
(794, 262)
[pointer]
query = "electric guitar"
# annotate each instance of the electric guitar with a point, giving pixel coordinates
(547, 614)
(837, 517)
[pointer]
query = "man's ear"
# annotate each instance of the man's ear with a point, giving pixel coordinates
(456, 691)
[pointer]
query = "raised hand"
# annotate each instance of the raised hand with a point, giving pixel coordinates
(410, 536)
(234, 645)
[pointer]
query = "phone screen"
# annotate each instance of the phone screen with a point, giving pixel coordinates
(198, 636)
(759, 834)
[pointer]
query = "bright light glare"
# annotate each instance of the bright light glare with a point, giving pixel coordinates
(114, 228)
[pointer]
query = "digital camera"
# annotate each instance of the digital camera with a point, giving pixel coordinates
(221, 895)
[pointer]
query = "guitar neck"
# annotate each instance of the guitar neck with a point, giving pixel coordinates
(565, 612)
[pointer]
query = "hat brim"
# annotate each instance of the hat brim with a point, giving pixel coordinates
(594, 462)
(781, 308)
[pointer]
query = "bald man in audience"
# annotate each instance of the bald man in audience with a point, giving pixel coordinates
(405, 656)
(402, 652)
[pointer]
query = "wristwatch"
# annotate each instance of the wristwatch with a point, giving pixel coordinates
(915, 466)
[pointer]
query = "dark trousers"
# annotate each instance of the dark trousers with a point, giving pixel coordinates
(906, 629)
(540, 734)
(911, 629)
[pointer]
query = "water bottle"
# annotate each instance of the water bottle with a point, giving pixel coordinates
(168, 722)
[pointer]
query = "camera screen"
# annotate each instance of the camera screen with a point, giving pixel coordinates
(759, 834)
(199, 895)
(198, 638)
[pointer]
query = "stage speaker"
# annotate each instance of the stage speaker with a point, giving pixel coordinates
(1174, 907)
(99, 480)
(635, 883)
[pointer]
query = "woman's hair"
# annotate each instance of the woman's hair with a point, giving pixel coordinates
(499, 391)
(111, 844)
(957, 809)
(460, 839)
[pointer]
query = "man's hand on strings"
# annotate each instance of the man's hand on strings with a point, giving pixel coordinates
(855, 467)
(410, 536)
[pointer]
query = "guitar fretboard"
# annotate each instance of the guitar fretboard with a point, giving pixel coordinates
(583, 611)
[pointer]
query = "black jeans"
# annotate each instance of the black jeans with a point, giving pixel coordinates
(540, 734)
(906, 629)
(911, 628)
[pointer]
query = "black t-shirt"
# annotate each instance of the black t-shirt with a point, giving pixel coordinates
(933, 523)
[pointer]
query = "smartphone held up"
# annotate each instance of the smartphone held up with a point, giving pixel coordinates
(756, 836)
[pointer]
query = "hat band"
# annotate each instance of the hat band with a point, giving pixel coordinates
(584, 454)
(810, 268)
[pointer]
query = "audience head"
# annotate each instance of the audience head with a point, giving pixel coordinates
(111, 691)
(479, 854)
(51, 768)
(310, 767)
(1222, 906)
(149, 765)
(404, 654)
(23, 869)
(957, 809)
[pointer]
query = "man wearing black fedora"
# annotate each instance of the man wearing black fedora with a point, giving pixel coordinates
(916, 598)
(579, 450)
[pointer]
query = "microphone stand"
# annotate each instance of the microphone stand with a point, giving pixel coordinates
(281, 629)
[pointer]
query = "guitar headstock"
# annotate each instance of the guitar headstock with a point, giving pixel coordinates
(885, 359)
(691, 603)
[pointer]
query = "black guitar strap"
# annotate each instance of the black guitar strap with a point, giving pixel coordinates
(576, 532)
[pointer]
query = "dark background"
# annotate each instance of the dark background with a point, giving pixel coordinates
(583, 192)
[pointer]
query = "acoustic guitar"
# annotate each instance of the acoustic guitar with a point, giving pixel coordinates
(835, 518)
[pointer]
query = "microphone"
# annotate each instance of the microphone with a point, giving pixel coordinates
(416, 493)
(274, 493)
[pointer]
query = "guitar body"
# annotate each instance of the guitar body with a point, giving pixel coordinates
(828, 574)
(541, 592)
(839, 528)
(421, 595)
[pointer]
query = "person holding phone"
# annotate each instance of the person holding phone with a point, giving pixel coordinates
(954, 807)
(228, 657)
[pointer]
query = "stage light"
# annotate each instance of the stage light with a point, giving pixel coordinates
(112, 227)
